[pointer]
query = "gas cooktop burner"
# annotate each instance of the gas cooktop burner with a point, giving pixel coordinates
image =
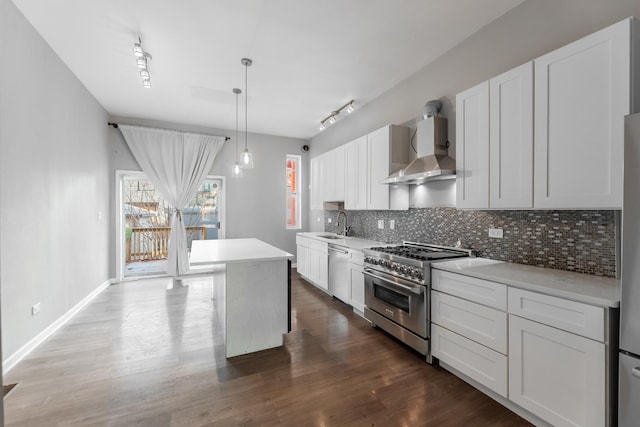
(419, 253)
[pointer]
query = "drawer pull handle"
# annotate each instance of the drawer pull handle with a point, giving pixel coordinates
(636, 372)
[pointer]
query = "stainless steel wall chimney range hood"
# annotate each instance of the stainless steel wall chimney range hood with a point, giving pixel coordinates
(433, 162)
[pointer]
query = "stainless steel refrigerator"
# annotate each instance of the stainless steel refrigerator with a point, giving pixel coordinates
(629, 385)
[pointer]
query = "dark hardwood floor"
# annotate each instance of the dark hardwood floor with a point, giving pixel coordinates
(143, 354)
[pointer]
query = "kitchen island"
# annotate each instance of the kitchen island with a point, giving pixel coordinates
(257, 291)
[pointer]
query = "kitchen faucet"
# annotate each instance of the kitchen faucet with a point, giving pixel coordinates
(345, 229)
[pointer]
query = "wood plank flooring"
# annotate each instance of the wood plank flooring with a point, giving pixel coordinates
(144, 354)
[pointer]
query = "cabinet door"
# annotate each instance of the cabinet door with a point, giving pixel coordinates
(582, 93)
(511, 139)
(316, 192)
(356, 174)
(357, 287)
(378, 154)
(319, 269)
(558, 376)
(339, 171)
(328, 177)
(302, 260)
(472, 147)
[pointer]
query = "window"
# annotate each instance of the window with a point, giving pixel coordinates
(293, 192)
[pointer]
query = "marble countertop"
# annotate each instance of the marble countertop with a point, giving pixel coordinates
(227, 251)
(347, 242)
(585, 288)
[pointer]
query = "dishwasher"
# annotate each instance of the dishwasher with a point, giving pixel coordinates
(339, 275)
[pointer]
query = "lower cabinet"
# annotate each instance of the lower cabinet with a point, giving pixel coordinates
(545, 354)
(486, 366)
(313, 261)
(356, 262)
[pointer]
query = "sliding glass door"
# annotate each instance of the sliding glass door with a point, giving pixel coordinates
(144, 218)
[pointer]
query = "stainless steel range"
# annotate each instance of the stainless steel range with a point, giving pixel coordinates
(397, 282)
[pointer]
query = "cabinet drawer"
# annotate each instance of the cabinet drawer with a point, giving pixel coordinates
(302, 241)
(481, 324)
(315, 245)
(480, 363)
(356, 257)
(484, 292)
(578, 318)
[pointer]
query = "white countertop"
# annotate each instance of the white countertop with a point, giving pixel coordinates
(227, 251)
(348, 242)
(595, 290)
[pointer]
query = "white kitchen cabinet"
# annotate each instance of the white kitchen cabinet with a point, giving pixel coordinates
(468, 332)
(315, 191)
(333, 175)
(355, 197)
(302, 259)
(486, 366)
(313, 261)
(319, 264)
(582, 93)
(511, 139)
(494, 127)
(484, 325)
(472, 147)
(387, 151)
(557, 375)
(356, 265)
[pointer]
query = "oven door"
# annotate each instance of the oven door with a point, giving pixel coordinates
(397, 299)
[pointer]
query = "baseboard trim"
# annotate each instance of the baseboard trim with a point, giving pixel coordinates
(23, 351)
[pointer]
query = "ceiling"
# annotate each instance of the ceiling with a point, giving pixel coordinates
(309, 56)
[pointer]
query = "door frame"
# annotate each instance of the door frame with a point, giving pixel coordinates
(119, 217)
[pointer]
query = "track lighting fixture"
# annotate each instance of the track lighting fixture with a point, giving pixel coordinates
(331, 118)
(142, 60)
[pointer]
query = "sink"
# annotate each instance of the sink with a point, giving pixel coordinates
(332, 236)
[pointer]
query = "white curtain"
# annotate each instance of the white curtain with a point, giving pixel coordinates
(177, 164)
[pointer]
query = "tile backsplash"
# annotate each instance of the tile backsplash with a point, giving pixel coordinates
(580, 241)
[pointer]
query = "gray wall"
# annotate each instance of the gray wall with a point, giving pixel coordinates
(255, 204)
(522, 34)
(54, 158)
(532, 29)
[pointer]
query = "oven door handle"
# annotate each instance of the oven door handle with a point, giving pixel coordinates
(418, 289)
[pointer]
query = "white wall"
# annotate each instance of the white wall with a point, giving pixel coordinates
(522, 34)
(255, 204)
(54, 159)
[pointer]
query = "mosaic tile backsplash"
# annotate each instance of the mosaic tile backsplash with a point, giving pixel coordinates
(579, 241)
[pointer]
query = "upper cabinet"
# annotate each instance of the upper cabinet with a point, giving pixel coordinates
(352, 172)
(333, 175)
(472, 147)
(315, 189)
(582, 93)
(355, 197)
(511, 139)
(388, 151)
(549, 134)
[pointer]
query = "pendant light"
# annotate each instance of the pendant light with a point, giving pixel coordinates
(246, 158)
(236, 171)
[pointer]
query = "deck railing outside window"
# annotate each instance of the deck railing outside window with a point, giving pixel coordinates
(152, 243)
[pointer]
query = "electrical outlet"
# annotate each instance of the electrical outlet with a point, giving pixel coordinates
(495, 233)
(392, 224)
(99, 215)
(35, 309)
(329, 220)
(381, 224)
(318, 219)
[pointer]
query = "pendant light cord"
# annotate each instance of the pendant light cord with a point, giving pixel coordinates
(246, 104)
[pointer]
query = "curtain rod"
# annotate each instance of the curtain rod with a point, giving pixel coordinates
(115, 126)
